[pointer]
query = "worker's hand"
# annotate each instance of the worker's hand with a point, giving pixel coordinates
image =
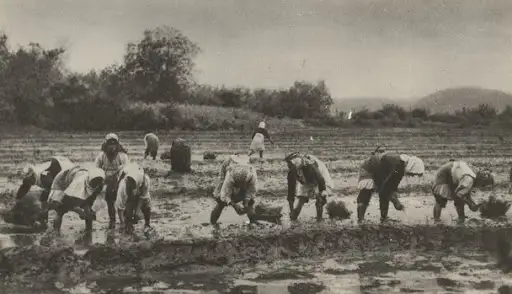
(238, 208)
(324, 194)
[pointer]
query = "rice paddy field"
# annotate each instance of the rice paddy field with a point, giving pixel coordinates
(185, 254)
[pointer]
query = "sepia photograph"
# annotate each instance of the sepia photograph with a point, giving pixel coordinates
(255, 146)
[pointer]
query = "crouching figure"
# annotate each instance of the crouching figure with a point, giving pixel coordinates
(42, 176)
(76, 190)
(382, 172)
(308, 177)
(454, 181)
(237, 187)
(132, 196)
(152, 144)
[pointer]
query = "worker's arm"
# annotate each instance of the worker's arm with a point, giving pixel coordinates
(267, 135)
(220, 180)
(227, 188)
(252, 187)
(98, 162)
(319, 178)
(25, 187)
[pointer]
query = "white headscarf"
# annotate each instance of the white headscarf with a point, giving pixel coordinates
(28, 171)
(262, 125)
(413, 165)
(239, 159)
(111, 136)
(93, 173)
(136, 172)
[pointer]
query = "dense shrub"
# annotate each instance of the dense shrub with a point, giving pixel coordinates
(154, 88)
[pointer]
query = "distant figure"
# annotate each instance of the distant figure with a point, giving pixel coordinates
(152, 144)
(111, 160)
(132, 196)
(258, 140)
(350, 115)
(181, 156)
(42, 175)
(382, 172)
(308, 178)
(76, 190)
(454, 182)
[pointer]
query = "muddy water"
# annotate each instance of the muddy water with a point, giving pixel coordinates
(404, 272)
(186, 256)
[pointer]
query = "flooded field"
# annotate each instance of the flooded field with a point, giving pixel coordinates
(374, 273)
(186, 255)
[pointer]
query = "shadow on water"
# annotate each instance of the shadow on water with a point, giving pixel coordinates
(407, 271)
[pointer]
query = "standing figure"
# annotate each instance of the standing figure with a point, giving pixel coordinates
(382, 172)
(132, 195)
(112, 159)
(308, 178)
(454, 181)
(258, 140)
(76, 190)
(152, 144)
(237, 184)
(42, 176)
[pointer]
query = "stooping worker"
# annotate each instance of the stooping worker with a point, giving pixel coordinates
(76, 190)
(132, 195)
(308, 178)
(382, 172)
(42, 176)
(237, 187)
(152, 144)
(258, 140)
(111, 160)
(454, 181)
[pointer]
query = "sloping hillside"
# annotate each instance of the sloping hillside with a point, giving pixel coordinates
(346, 104)
(450, 100)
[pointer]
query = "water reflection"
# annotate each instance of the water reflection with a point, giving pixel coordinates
(18, 240)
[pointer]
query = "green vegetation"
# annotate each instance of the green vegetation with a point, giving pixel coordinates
(154, 88)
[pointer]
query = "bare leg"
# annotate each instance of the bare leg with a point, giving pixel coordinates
(120, 214)
(437, 212)
(216, 212)
(396, 202)
(57, 223)
(320, 202)
(146, 211)
(110, 197)
(459, 206)
(249, 208)
(296, 211)
(291, 201)
(384, 207)
(363, 199)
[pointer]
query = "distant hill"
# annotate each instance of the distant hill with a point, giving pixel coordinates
(450, 100)
(370, 103)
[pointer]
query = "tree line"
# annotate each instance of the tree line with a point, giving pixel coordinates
(149, 88)
(144, 91)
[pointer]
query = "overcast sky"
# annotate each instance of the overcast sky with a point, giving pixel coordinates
(359, 47)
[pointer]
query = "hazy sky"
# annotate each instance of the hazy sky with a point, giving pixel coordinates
(359, 47)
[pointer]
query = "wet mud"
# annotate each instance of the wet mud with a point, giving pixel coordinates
(380, 255)
(184, 254)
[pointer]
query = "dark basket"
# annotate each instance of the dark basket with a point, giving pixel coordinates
(337, 210)
(181, 157)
